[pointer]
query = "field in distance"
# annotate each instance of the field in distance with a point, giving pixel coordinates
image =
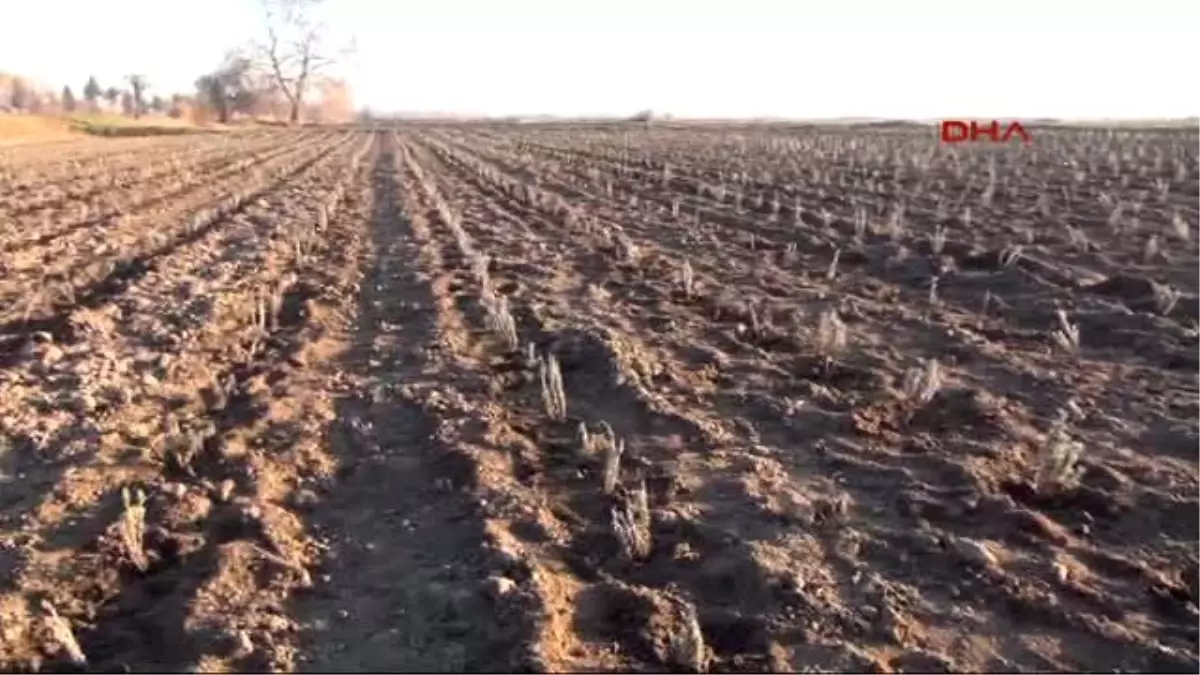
(447, 397)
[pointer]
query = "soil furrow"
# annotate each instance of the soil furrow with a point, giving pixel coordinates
(407, 585)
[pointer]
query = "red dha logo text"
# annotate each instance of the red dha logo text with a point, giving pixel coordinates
(959, 131)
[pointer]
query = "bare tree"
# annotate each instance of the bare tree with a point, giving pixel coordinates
(21, 94)
(229, 88)
(128, 105)
(296, 50)
(138, 84)
(68, 100)
(92, 93)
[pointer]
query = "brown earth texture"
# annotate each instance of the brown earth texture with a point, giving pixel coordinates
(587, 398)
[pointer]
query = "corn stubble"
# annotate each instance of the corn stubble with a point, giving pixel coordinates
(902, 267)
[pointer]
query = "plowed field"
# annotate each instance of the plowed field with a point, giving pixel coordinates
(582, 398)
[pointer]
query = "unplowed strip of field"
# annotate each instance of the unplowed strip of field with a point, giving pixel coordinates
(38, 166)
(154, 165)
(127, 250)
(760, 379)
(108, 206)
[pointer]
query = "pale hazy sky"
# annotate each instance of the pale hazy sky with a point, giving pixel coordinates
(914, 58)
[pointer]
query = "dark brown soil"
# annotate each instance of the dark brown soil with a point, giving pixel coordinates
(281, 339)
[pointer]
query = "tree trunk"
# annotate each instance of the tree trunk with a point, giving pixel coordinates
(297, 99)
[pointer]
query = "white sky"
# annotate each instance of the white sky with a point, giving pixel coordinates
(797, 58)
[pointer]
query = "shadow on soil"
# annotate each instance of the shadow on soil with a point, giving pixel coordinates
(402, 589)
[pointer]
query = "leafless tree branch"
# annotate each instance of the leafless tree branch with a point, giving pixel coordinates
(295, 52)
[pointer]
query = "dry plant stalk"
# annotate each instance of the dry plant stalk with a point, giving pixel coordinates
(686, 648)
(480, 266)
(501, 321)
(554, 398)
(586, 442)
(1067, 335)
(831, 273)
(687, 279)
(1059, 456)
(301, 572)
(133, 527)
(983, 311)
(613, 451)
(60, 629)
(1010, 255)
(922, 384)
(1180, 227)
(631, 524)
(831, 337)
(860, 225)
(937, 241)
(1165, 297)
(1151, 249)
(591, 444)
(756, 320)
(627, 250)
(179, 451)
(1078, 239)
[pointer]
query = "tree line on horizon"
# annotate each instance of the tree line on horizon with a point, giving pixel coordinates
(283, 75)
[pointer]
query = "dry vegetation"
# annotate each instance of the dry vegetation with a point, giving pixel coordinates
(588, 398)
